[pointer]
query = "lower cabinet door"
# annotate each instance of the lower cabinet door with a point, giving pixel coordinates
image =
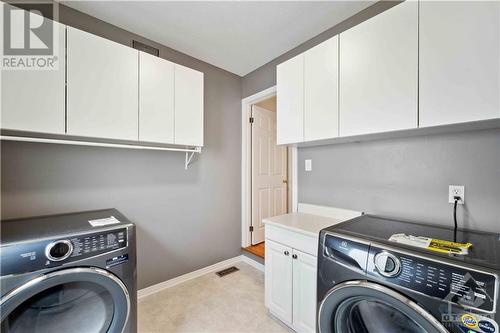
(278, 281)
(304, 292)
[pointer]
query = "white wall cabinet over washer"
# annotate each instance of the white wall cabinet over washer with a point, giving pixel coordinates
(307, 90)
(459, 61)
(379, 73)
(156, 99)
(321, 74)
(189, 101)
(33, 100)
(102, 87)
(290, 100)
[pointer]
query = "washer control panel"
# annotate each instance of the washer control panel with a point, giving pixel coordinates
(437, 279)
(36, 255)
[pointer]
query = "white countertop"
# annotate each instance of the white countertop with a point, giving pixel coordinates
(307, 224)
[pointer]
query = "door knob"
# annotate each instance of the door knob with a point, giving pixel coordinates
(285, 181)
(286, 253)
(294, 256)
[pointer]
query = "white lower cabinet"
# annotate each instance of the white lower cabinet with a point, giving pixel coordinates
(304, 291)
(290, 280)
(279, 274)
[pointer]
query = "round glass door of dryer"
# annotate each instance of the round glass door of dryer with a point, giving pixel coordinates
(71, 300)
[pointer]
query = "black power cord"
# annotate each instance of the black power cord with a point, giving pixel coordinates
(457, 199)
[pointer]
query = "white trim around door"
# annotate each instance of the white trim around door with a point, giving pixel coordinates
(246, 162)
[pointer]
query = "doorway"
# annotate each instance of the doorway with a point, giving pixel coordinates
(268, 170)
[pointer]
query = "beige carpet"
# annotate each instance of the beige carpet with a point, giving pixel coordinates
(234, 303)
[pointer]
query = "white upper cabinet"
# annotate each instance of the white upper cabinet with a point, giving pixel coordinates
(188, 106)
(33, 100)
(321, 74)
(290, 100)
(102, 87)
(156, 99)
(378, 72)
(459, 61)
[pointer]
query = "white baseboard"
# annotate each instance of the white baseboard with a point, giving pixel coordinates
(202, 271)
(253, 263)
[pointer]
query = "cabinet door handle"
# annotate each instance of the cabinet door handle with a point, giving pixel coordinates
(294, 256)
(286, 253)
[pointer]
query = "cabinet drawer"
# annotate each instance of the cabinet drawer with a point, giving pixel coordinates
(293, 239)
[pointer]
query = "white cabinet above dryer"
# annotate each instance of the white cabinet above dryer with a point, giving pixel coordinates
(188, 106)
(156, 99)
(102, 87)
(33, 100)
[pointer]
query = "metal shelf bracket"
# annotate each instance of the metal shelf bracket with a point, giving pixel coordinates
(189, 156)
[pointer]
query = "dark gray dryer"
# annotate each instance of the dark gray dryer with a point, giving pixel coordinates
(69, 273)
(367, 284)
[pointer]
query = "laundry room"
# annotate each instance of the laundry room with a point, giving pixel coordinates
(250, 166)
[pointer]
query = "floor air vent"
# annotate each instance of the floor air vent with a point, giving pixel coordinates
(227, 271)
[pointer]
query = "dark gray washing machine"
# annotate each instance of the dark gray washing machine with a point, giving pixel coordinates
(368, 284)
(69, 273)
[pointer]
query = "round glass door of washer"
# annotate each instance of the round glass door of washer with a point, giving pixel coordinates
(366, 307)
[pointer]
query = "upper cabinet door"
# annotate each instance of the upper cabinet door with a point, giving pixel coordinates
(290, 100)
(102, 91)
(459, 61)
(156, 99)
(378, 72)
(188, 106)
(321, 74)
(33, 100)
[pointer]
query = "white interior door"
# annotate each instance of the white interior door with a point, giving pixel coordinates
(269, 172)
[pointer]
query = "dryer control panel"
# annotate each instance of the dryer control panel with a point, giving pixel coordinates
(37, 255)
(452, 283)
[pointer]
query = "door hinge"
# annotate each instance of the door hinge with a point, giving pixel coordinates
(250, 120)
(251, 228)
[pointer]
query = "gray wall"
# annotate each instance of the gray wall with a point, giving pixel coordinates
(409, 177)
(405, 177)
(186, 219)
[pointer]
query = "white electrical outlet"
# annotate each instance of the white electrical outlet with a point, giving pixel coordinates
(456, 190)
(308, 165)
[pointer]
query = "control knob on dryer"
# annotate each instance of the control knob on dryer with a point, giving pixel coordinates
(58, 250)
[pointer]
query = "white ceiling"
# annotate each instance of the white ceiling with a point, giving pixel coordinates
(237, 36)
